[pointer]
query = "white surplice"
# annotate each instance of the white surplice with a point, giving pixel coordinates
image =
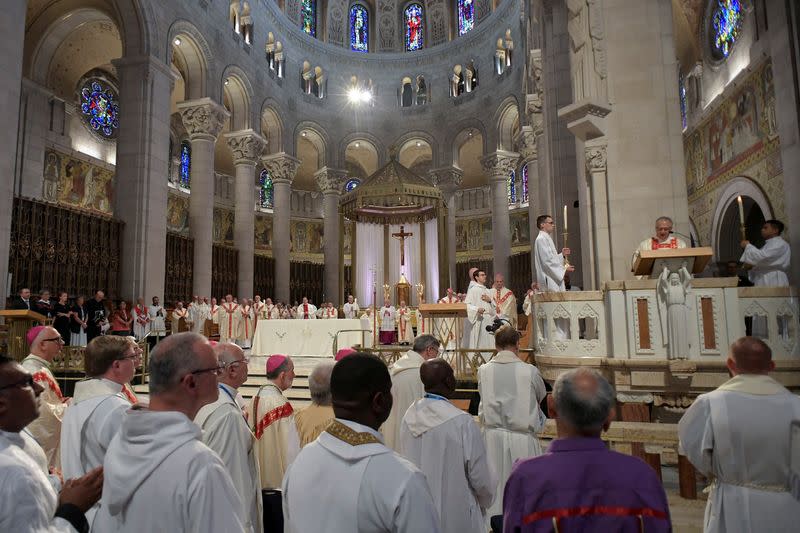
(550, 268)
(406, 389)
(141, 321)
(271, 418)
(349, 481)
(770, 263)
(387, 317)
(405, 333)
(226, 432)
(229, 318)
(351, 310)
(445, 443)
(306, 312)
(159, 476)
(509, 413)
(506, 305)
(738, 434)
(479, 337)
(28, 500)
(47, 428)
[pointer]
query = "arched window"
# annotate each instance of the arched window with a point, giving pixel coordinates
(682, 95)
(351, 184)
(359, 28)
(466, 16)
(100, 108)
(308, 16)
(525, 183)
(185, 176)
(265, 193)
(726, 25)
(412, 15)
(511, 189)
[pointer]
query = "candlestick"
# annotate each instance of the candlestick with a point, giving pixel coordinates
(566, 222)
(741, 209)
(565, 235)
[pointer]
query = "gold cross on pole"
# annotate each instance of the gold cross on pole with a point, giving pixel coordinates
(402, 235)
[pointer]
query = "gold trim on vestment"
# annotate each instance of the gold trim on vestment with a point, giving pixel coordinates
(350, 436)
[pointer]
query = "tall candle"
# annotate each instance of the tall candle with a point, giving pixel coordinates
(741, 210)
(566, 225)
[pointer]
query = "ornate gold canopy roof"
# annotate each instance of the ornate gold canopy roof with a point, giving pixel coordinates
(392, 195)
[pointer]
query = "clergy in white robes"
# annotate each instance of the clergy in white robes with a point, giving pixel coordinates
(663, 239)
(258, 309)
(407, 385)
(351, 308)
(270, 311)
(213, 317)
(247, 323)
(769, 265)
(348, 480)
(28, 499)
(446, 444)
(550, 267)
(738, 437)
(46, 343)
(405, 332)
(225, 431)
(509, 412)
(180, 319)
(141, 320)
(387, 320)
(229, 318)
(158, 474)
(157, 314)
(481, 312)
(505, 301)
(466, 325)
(368, 324)
(306, 310)
(272, 420)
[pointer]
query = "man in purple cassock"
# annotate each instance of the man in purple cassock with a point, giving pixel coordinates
(579, 484)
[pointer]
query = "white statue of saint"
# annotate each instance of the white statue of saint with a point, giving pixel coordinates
(673, 289)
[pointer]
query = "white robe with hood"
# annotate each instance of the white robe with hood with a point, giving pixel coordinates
(159, 476)
(365, 488)
(406, 389)
(445, 443)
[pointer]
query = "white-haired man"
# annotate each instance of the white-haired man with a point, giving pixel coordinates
(312, 420)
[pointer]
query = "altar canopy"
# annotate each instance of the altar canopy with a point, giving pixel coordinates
(391, 200)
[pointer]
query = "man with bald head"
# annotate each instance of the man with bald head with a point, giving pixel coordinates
(225, 431)
(446, 444)
(505, 300)
(738, 435)
(579, 484)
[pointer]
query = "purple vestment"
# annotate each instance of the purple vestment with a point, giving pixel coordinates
(583, 486)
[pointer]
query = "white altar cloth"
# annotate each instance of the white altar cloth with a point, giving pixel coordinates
(305, 337)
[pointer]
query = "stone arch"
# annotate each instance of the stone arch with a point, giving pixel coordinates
(316, 135)
(404, 141)
(192, 56)
(720, 226)
(236, 86)
(460, 134)
(371, 141)
(271, 125)
(506, 122)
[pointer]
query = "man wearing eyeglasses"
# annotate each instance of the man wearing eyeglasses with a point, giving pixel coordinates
(46, 343)
(225, 431)
(98, 406)
(159, 476)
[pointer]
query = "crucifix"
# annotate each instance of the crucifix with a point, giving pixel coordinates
(402, 236)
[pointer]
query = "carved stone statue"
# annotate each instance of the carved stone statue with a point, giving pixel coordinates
(587, 49)
(673, 289)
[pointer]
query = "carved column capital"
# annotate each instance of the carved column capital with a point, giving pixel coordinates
(282, 167)
(448, 179)
(595, 158)
(330, 180)
(203, 118)
(246, 146)
(499, 165)
(527, 143)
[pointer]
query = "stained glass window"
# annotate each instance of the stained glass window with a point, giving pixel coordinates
(308, 16)
(682, 95)
(525, 183)
(466, 16)
(352, 184)
(414, 27)
(726, 25)
(100, 108)
(186, 165)
(511, 189)
(359, 28)
(265, 192)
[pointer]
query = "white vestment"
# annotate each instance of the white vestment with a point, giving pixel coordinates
(159, 476)
(386, 318)
(405, 333)
(550, 268)
(351, 310)
(506, 305)
(770, 263)
(446, 444)
(229, 318)
(738, 435)
(306, 312)
(271, 418)
(466, 325)
(157, 325)
(141, 322)
(480, 338)
(406, 389)
(247, 323)
(368, 324)
(28, 501)
(226, 432)
(673, 242)
(47, 428)
(352, 483)
(509, 413)
(199, 313)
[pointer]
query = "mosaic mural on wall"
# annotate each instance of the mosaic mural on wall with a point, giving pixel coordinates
(305, 238)
(222, 229)
(263, 234)
(520, 229)
(77, 183)
(474, 237)
(178, 213)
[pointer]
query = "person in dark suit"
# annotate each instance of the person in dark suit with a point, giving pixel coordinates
(96, 313)
(21, 301)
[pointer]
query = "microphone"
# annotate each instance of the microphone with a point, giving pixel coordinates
(687, 237)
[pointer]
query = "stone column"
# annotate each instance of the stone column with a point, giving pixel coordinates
(282, 168)
(13, 36)
(331, 181)
(35, 107)
(449, 179)
(498, 166)
(140, 184)
(597, 208)
(246, 146)
(527, 142)
(203, 120)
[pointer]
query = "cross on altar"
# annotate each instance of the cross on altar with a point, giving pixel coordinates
(402, 235)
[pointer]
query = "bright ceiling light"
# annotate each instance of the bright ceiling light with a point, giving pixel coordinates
(356, 95)
(177, 41)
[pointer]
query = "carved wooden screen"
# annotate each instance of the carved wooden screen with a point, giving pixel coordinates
(178, 277)
(60, 248)
(264, 282)
(462, 274)
(225, 272)
(306, 280)
(519, 277)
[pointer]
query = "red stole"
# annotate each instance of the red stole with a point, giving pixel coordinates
(502, 300)
(672, 244)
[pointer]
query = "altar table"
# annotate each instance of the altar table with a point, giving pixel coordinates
(305, 337)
